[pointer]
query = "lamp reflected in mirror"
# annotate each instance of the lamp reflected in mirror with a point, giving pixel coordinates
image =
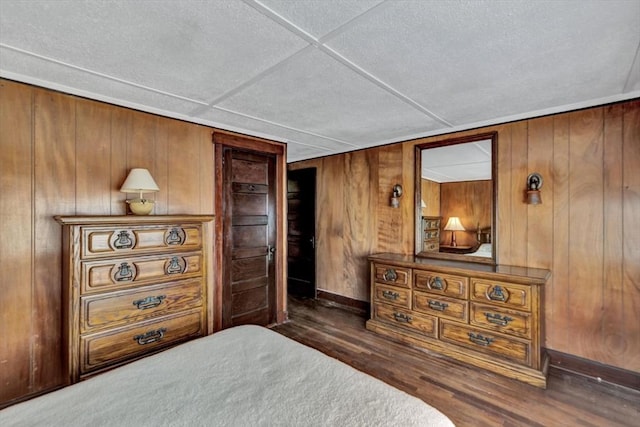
(454, 225)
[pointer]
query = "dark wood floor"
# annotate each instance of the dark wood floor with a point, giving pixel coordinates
(468, 396)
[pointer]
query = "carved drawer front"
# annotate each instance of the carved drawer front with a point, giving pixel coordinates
(393, 295)
(486, 342)
(426, 325)
(116, 309)
(392, 275)
(431, 246)
(501, 293)
(117, 273)
(440, 306)
(113, 240)
(443, 284)
(499, 319)
(118, 345)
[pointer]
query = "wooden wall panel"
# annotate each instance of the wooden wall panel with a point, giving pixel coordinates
(585, 232)
(16, 211)
(63, 155)
(360, 219)
(55, 194)
(629, 303)
(93, 140)
(330, 226)
(471, 202)
(430, 192)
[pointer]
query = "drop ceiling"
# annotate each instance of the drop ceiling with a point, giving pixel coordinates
(329, 76)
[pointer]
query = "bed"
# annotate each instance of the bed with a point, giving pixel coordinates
(243, 376)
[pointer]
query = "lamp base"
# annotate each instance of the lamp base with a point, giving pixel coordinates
(140, 206)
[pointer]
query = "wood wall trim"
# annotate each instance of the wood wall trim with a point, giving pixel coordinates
(249, 143)
(594, 371)
(361, 307)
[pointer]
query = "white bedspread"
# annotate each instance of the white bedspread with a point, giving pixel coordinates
(244, 376)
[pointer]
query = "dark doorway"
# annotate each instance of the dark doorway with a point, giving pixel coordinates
(249, 238)
(301, 219)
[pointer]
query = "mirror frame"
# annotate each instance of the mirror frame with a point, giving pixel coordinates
(493, 136)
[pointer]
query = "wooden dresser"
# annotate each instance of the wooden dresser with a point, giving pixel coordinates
(133, 285)
(431, 233)
(484, 315)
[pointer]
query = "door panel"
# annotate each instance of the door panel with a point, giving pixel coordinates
(301, 196)
(249, 213)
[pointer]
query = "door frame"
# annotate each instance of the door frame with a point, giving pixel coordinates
(222, 139)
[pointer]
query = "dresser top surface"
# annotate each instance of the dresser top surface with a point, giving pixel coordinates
(130, 219)
(538, 275)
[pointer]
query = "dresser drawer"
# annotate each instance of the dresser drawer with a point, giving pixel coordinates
(501, 293)
(486, 342)
(393, 295)
(119, 308)
(115, 273)
(443, 284)
(440, 306)
(499, 319)
(426, 325)
(113, 240)
(392, 275)
(107, 348)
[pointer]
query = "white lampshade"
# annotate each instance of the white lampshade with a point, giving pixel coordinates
(423, 204)
(139, 181)
(454, 224)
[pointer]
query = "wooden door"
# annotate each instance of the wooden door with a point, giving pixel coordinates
(249, 238)
(301, 230)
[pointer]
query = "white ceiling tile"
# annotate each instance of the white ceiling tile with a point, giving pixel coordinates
(319, 17)
(473, 61)
(316, 93)
(37, 71)
(196, 49)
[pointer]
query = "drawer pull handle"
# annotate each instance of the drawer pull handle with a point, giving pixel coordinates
(124, 273)
(437, 305)
(497, 294)
(390, 275)
(402, 318)
(497, 319)
(390, 295)
(150, 337)
(437, 282)
(175, 236)
(123, 241)
(176, 265)
(480, 340)
(149, 302)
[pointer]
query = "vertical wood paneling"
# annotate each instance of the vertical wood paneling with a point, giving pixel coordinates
(631, 246)
(183, 175)
(502, 232)
(161, 169)
(93, 140)
(585, 228)
(612, 340)
(407, 204)
(120, 128)
(389, 228)
(557, 295)
(360, 219)
(16, 210)
(330, 228)
(55, 165)
(518, 220)
(64, 155)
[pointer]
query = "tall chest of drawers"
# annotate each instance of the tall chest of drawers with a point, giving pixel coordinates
(483, 315)
(133, 285)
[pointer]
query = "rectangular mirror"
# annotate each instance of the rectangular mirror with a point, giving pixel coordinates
(455, 199)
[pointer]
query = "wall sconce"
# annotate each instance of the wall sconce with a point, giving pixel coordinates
(534, 183)
(454, 225)
(395, 196)
(139, 181)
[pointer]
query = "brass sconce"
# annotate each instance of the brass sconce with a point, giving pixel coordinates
(534, 183)
(395, 196)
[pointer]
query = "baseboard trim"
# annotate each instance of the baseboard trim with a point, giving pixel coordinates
(360, 307)
(594, 371)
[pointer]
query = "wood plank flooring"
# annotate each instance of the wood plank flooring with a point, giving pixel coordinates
(468, 396)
